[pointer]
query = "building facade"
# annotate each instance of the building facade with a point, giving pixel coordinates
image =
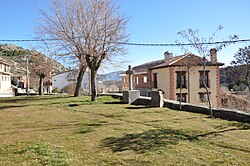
(183, 77)
(5, 79)
(63, 79)
(142, 78)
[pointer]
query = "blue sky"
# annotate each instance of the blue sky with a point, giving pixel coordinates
(151, 21)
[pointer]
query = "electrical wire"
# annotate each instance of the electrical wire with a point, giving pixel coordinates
(135, 44)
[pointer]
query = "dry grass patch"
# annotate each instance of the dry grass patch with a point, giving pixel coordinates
(65, 130)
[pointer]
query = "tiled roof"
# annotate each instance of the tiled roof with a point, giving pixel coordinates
(183, 60)
(146, 66)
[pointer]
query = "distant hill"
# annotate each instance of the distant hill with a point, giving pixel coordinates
(230, 76)
(16, 56)
(113, 76)
(226, 75)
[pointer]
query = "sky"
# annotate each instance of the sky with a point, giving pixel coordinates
(150, 21)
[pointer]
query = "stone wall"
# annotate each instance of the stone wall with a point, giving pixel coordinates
(221, 113)
(217, 112)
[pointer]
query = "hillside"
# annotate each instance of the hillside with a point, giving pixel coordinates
(113, 76)
(16, 56)
(227, 76)
(232, 101)
(234, 77)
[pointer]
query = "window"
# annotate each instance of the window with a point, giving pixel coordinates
(137, 80)
(203, 97)
(155, 80)
(2, 78)
(5, 68)
(145, 79)
(206, 79)
(182, 96)
(181, 79)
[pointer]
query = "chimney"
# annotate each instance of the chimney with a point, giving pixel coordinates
(213, 55)
(168, 55)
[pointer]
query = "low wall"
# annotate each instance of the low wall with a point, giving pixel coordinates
(221, 113)
(217, 112)
(142, 100)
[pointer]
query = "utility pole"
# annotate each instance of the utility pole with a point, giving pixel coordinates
(27, 75)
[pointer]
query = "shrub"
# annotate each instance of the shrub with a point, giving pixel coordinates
(14, 81)
(55, 90)
(70, 89)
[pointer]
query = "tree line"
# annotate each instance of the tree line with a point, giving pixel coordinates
(237, 76)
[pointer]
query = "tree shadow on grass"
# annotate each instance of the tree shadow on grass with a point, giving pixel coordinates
(147, 141)
(241, 126)
(31, 98)
(89, 126)
(10, 106)
(231, 147)
(237, 126)
(139, 107)
(114, 102)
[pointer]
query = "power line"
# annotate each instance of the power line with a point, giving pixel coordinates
(27, 40)
(185, 44)
(135, 44)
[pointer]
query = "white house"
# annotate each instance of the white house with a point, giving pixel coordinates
(63, 79)
(5, 79)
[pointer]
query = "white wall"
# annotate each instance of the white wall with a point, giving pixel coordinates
(5, 83)
(5, 80)
(61, 80)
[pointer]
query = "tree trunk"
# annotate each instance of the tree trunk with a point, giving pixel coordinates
(41, 85)
(206, 88)
(180, 95)
(92, 82)
(79, 79)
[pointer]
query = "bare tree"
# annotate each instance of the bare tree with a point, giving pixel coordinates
(197, 43)
(90, 30)
(182, 82)
(42, 66)
(65, 25)
(104, 34)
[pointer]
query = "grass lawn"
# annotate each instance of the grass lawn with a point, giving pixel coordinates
(64, 130)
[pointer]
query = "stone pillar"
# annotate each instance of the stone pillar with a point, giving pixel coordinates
(129, 97)
(130, 82)
(156, 99)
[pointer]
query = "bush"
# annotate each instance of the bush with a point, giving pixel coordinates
(14, 81)
(55, 90)
(70, 89)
